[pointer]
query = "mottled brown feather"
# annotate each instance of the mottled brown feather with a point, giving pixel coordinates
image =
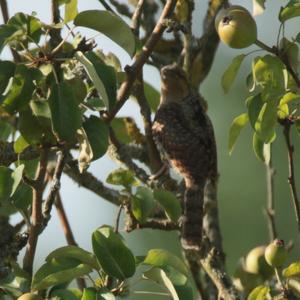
(184, 135)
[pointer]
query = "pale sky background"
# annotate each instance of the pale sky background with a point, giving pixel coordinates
(86, 211)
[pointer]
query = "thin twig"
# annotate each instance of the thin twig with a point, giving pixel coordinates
(164, 224)
(36, 215)
(139, 93)
(291, 177)
(8, 155)
(187, 40)
(55, 186)
(67, 231)
(118, 218)
(121, 8)
(136, 18)
(4, 10)
(118, 152)
(107, 6)
(270, 209)
(140, 60)
(213, 264)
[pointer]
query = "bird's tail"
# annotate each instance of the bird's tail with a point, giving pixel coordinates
(192, 222)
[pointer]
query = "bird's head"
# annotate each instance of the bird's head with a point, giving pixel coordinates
(174, 83)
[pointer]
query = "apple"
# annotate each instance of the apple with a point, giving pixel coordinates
(30, 296)
(236, 27)
(255, 262)
(276, 253)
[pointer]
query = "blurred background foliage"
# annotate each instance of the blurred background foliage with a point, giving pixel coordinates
(242, 188)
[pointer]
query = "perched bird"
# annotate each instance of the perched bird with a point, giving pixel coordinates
(184, 136)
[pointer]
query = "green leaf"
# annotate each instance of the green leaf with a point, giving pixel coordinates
(79, 88)
(231, 72)
(14, 285)
(254, 104)
(162, 258)
(6, 31)
(110, 25)
(268, 73)
(89, 294)
(71, 10)
(97, 133)
(289, 97)
(63, 294)
(65, 113)
(259, 293)
(235, 129)
(6, 183)
(21, 90)
(93, 294)
(107, 74)
(95, 103)
(177, 278)
(114, 257)
(266, 121)
(142, 204)
(185, 291)
(258, 7)
(22, 198)
(58, 271)
(75, 252)
(41, 110)
(293, 270)
(7, 70)
(6, 129)
(297, 125)
(92, 72)
(169, 202)
(30, 128)
(291, 10)
(159, 276)
(25, 26)
(258, 147)
(118, 124)
(20, 144)
(152, 96)
(122, 177)
(16, 177)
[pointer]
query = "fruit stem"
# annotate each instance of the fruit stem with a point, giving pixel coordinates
(265, 47)
(279, 280)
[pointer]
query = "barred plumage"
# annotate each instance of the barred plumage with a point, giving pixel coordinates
(184, 134)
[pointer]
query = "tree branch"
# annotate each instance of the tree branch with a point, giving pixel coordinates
(118, 152)
(139, 93)
(212, 263)
(136, 18)
(36, 215)
(270, 209)
(55, 187)
(140, 60)
(8, 155)
(165, 225)
(291, 179)
(121, 8)
(67, 231)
